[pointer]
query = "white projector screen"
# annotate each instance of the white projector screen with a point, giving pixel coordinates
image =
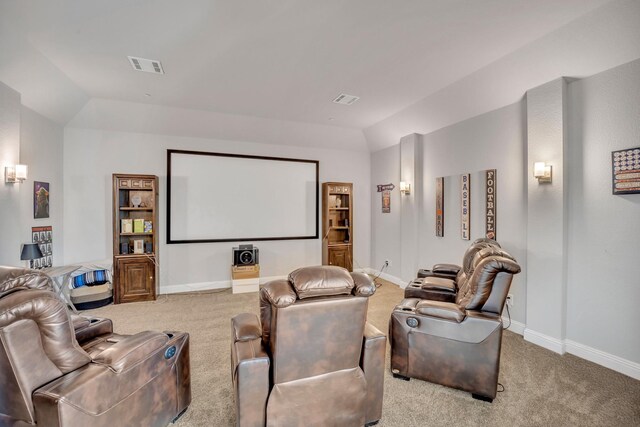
(219, 197)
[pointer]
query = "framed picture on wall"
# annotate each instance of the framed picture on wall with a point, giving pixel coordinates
(40, 200)
(625, 168)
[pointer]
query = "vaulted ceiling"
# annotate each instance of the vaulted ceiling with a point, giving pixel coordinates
(274, 59)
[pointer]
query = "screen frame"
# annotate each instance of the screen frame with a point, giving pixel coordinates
(171, 241)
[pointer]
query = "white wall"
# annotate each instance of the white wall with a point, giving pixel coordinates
(604, 230)
(597, 41)
(385, 227)
(41, 148)
(28, 138)
(10, 215)
(547, 216)
(91, 156)
(495, 140)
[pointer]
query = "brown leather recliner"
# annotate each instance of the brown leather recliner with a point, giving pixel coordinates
(312, 359)
(49, 379)
(442, 282)
(85, 327)
(456, 344)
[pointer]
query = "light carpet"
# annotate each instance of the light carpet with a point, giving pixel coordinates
(542, 388)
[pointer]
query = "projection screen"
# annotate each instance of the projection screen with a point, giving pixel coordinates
(220, 197)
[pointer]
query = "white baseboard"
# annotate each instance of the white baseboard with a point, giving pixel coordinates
(607, 360)
(545, 341)
(195, 287)
(205, 286)
(515, 327)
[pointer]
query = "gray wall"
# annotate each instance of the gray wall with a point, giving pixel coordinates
(28, 138)
(385, 227)
(92, 156)
(577, 243)
(495, 140)
(604, 230)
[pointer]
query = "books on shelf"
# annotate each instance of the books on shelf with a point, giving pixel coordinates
(126, 226)
(148, 226)
(138, 246)
(138, 225)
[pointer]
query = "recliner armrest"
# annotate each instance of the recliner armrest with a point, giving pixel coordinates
(448, 269)
(131, 350)
(442, 310)
(438, 284)
(374, 346)
(250, 366)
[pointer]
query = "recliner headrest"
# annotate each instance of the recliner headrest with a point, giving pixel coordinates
(468, 262)
(321, 280)
(492, 251)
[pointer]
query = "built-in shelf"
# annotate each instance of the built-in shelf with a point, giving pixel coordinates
(337, 208)
(135, 274)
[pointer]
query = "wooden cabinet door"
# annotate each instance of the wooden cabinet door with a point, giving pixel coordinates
(340, 256)
(135, 281)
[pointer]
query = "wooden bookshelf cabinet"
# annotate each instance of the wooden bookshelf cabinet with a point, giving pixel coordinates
(337, 224)
(135, 251)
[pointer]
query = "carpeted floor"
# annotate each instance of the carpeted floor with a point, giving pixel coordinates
(541, 388)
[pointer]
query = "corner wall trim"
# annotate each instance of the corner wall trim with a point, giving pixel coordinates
(602, 358)
(545, 341)
(515, 327)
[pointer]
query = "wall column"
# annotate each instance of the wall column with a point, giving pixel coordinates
(547, 217)
(410, 205)
(10, 213)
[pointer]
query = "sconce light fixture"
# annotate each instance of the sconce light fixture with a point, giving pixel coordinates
(405, 188)
(16, 173)
(542, 171)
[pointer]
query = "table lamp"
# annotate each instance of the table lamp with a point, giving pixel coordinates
(30, 251)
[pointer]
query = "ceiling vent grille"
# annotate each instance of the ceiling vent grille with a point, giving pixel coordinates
(147, 65)
(345, 99)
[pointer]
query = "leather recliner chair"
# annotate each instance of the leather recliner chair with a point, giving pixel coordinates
(311, 359)
(443, 281)
(456, 344)
(49, 379)
(86, 327)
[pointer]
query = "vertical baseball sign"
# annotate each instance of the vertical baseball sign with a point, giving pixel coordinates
(465, 206)
(490, 217)
(440, 207)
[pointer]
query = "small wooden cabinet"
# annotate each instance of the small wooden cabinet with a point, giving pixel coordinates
(135, 237)
(337, 224)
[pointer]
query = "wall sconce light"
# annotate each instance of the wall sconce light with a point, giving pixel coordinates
(405, 188)
(542, 171)
(16, 173)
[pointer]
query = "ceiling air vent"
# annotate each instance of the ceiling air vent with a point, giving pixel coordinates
(345, 99)
(148, 65)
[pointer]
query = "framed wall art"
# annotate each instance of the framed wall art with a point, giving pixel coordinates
(465, 206)
(40, 200)
(440, 207)
(625, 168)
(490, 214)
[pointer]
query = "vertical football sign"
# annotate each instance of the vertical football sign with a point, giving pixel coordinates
(490, 217)
(465, 206)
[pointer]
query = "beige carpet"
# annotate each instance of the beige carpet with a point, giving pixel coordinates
(541, 387)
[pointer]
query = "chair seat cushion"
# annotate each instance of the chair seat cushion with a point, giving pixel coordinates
(321, 281)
